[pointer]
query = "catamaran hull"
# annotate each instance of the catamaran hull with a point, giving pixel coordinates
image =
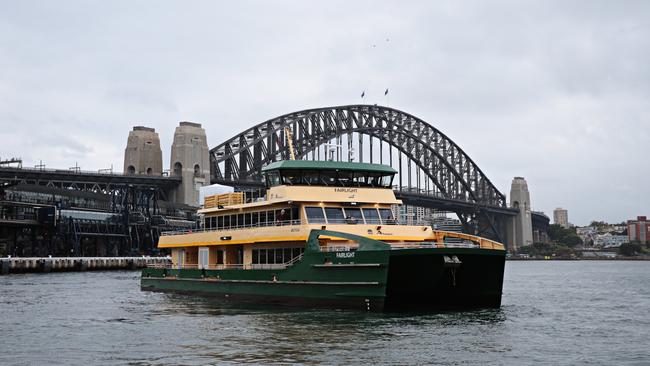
(423, 279)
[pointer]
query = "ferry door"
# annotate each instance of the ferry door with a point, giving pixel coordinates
(180, 258)
(203, 257)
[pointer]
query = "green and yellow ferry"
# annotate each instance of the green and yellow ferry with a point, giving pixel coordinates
(325, 235)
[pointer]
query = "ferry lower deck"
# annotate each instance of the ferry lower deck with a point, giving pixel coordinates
(374, 276)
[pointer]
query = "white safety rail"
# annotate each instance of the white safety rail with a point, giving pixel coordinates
(228, 266)
(239, 227)
(414, 245)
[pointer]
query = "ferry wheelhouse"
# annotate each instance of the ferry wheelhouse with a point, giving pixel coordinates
(325, 234)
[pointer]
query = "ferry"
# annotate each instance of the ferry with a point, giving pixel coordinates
(325, 234)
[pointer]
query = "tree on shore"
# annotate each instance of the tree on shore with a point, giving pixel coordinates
(567, 237)
(630, 249)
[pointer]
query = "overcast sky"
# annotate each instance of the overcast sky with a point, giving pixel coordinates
(556, 92)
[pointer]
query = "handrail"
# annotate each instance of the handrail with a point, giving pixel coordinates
(238, 227)
(229, 266)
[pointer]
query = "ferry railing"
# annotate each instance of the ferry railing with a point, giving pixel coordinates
(404, 245)
(229, 266)
(236, 227)
(281, 223)
(416, 245)
(359, 221)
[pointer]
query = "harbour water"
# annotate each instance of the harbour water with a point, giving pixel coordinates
(554, 312)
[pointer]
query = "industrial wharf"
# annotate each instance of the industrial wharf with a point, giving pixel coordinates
(70, 264)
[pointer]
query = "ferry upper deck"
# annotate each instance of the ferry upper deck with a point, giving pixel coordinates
(355, 198)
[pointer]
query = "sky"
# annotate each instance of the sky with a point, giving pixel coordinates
(555, 91)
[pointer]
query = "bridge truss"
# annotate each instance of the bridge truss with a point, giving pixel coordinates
(433, 171)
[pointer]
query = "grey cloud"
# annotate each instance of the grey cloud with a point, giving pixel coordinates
(556, 91)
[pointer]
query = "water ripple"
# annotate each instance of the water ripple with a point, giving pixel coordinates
(553, 313)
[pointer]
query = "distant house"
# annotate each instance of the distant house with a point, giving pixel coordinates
(608, 240)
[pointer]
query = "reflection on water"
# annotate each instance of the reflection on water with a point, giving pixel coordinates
(553, 313)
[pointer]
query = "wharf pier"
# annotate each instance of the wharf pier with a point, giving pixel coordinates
(68, 264)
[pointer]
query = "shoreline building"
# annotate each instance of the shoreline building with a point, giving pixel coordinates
(561, 217)
(639, 230)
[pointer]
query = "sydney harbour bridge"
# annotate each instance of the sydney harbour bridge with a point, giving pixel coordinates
(433, 171)
(61, 210)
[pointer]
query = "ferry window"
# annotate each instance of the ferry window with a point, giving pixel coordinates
(220, 254)
(328, 177)
(255, 218)
(213, 222)
(226, 222)
(311, 178)
(315, 215)
(374, 179)
(296, 252)
(282, 216)
(334, 215)
(240, 220)
(371, 215)
(278, 256)
(353, 215)
(262, 256)
(207, 223)
(256, 256)
(291, 177)
(268, 256)
(220, 222)
(263, 218)
(273, 178)
(387, 180)
(295, 213)
(345, 178)
(247, 219)
(360, 179)
(387, 216)
(287, 255)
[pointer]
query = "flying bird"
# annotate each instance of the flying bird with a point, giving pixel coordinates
(363, 94)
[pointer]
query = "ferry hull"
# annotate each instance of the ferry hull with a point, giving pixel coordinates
(445, 279)
(427, 279)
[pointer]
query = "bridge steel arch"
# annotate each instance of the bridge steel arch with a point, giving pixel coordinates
(454, 177)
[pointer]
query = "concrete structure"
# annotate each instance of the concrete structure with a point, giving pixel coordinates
(639, 230)
(520, 229)
(561, 217)
(143, 154)
(190, 160)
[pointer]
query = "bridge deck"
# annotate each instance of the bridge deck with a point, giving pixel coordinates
(12, 174)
